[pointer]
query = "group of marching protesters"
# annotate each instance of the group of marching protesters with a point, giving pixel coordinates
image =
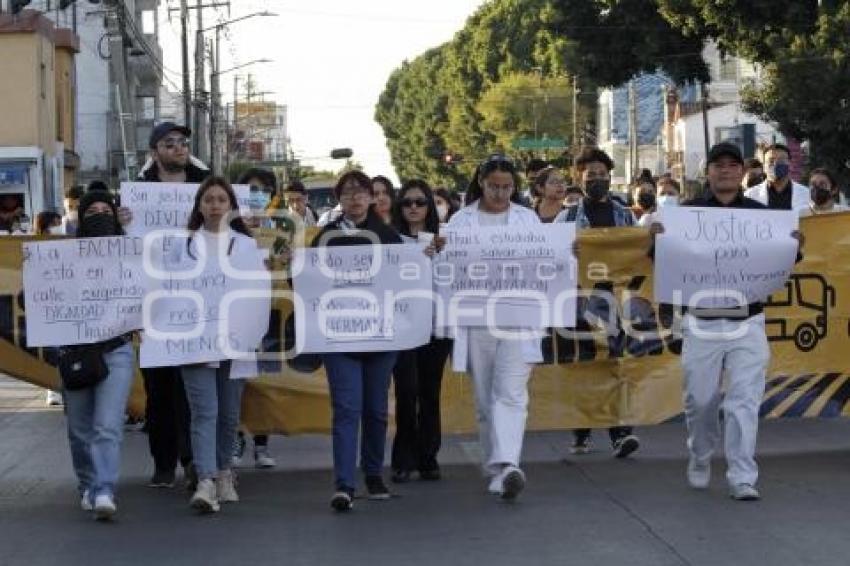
(193, 410)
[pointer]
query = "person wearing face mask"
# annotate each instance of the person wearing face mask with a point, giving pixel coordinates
(446, 206)
(643, 196)
(263, 186)
(668, 195)
(753, 173)
(778, 191)
(598, 210)
(824, 193)
(95, 415)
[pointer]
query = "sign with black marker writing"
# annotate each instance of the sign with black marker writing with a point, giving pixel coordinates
(508, 276)
(166, 206)
(208, 300)
(362, 298)
(82, 290)
(723, 258)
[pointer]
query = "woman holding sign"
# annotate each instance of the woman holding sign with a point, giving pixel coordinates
(419, 372)
(217, 234)
(500, 366)
(359, 382)
(97, 400)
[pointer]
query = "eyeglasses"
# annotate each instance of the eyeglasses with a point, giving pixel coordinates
(409, 202)
(172, 143)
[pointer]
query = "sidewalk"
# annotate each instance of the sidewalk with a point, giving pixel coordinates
(589, 510)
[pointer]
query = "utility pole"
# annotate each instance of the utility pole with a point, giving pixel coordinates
(184, 43)
(115, 21)
(574, 142)
(633, 131)
(704, 97)
(198, 123)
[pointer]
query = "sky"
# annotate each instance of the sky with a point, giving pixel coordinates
(331, 60)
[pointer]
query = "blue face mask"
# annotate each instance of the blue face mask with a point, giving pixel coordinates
(779, 170)
(259, 200)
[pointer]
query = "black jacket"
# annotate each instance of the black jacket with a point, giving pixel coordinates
(194, 174)
(373, 223)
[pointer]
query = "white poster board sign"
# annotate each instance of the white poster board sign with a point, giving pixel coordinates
(82, 290)
(508, 276)
(203, 306)
(166, 206)
(722, 258)
(362, 298)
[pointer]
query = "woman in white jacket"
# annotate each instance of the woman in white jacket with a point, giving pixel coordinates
(500, 367)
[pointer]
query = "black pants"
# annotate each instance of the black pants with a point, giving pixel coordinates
(418, 376)
(615, 432)
(167, 416)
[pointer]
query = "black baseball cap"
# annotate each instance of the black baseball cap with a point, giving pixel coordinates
(164, 129)
(725, 149)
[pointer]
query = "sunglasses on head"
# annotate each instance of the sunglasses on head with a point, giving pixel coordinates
(408, 202)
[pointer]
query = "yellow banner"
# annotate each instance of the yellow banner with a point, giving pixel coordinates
(627, 373)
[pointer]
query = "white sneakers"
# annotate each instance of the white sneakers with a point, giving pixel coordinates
(263, 460)
(226, 487)
(508, 483)
(205, 499)
(699, 473)
(744, 492)
(53, 399)
(85, 502)
(104, 507)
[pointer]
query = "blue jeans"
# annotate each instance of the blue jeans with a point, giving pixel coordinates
(96, 424)
(214, 403)
(359, 389)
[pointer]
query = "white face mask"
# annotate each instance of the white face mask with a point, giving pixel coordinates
(668, 200)
(442, 212)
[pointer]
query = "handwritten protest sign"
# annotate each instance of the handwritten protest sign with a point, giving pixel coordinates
(83, 290)
(204, 305)
(508, 276)
(158, 206)
(362, 298)
(720, 258)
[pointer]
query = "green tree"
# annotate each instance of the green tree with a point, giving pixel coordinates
(527, 105)
(803, 49)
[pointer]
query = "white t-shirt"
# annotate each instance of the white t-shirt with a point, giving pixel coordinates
(489, 219)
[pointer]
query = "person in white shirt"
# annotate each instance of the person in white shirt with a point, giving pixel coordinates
(295, 195)
(499, 366)
(824, 193)
(778, 191)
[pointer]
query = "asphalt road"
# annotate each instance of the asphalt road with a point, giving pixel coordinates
(589, 510)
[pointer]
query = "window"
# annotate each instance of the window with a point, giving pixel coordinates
(147, 108)
(149, 22)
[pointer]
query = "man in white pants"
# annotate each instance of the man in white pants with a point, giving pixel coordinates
(718, 343)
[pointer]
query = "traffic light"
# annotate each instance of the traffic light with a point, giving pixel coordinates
(15, 6)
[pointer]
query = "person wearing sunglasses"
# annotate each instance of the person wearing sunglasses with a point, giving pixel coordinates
(170, 159)
(167, 410)
(418, 373)
(499, 365)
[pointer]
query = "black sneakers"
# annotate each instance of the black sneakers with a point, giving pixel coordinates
(343, 500)
(626, 445)
(162, 479)
(376, 488)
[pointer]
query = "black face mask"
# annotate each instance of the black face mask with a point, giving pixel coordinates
(821, 195)
(97, 225)
(646, 201)
(597, 189)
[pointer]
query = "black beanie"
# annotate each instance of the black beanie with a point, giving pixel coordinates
(91, 197)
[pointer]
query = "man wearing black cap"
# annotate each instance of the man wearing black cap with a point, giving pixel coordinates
(731, 342)
(170, 161)
(167, 410)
